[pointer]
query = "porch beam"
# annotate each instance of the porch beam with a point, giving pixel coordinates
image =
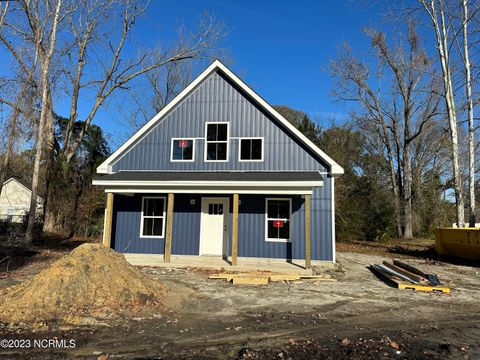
(107, 229)
(168, 231)
(308, 254)
(235, 230)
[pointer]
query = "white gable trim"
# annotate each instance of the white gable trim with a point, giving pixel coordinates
(105, 167)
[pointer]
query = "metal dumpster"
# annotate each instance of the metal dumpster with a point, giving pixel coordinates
(460, 242)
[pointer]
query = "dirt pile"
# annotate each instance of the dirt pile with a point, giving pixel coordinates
(91, 281)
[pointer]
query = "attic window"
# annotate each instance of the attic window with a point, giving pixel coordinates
(251, 149)
(216, 141)
(183, 149)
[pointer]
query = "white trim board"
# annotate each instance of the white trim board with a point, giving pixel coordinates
(106, 166)
(209, 184)
(263, 191)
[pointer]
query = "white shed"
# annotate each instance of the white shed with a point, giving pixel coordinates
(15, 201)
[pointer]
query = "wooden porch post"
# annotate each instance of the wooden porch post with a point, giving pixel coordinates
(168, 231)
(107, 230)
(235, 230)
(308, 254)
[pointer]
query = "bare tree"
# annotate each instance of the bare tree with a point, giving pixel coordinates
(119, 69)
(397, 115)
(471, 127)
(45, 47)
(435, 10)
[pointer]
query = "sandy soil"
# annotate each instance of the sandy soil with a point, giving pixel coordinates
(357, 317)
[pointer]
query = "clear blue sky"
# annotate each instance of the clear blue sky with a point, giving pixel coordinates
(280, 48)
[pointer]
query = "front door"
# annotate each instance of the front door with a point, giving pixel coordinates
(214, 230)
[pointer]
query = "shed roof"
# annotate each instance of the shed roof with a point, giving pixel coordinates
(194, 176)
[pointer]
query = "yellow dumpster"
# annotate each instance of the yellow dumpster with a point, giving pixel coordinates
(461, 242)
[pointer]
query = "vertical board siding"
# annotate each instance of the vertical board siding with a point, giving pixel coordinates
(251, 226)
(186, 226)
(216, 99)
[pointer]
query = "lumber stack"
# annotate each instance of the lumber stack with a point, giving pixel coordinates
(259, 278)
(406, 276)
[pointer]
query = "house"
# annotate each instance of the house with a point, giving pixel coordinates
(15, 201)
(219, 172)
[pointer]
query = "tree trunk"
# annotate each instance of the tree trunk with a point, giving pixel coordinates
(471, 128)
(407, 194)
(45, 67)
(442, 48)
(8, 151)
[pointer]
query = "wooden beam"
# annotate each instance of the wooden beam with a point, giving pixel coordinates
(308, 254)
(168, 231)
(107, 230)
(235, 230)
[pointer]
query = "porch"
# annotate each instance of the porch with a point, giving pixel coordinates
(189, 204)
(296, 266)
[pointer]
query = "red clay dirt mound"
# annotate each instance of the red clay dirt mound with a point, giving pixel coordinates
(91, 281)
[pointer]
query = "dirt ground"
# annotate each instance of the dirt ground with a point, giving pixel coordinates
(357, 317)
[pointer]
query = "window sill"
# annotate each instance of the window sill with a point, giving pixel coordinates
(278, 240)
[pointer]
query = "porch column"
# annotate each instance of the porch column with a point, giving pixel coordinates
(168, 231)
(308, 254)
(107, 229)
(235, 230)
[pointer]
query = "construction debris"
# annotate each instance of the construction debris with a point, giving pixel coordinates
(405, 276)
(262, 278)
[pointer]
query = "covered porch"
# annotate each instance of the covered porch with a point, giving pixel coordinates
(233, 187)
(296, 266)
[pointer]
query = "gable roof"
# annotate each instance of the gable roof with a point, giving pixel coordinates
(217, 65)
(22, 183)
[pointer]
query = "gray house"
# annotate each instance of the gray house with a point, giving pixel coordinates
(219, 172)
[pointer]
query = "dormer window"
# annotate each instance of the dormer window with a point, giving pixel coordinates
(216, 141)
(183, 149)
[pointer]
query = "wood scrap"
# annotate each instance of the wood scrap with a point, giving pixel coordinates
(250, 280)
(432, 278)
(281, 277)
(400, 270)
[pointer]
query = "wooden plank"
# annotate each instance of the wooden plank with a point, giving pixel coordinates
(284, 277)
(402, 271)
(235, 230)
(316, 277)
(227, 277)
(408, 267)
(107, 234)
(168, 231)
(250, 280)
(308, 255)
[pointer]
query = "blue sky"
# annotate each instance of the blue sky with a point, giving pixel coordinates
(280, 48)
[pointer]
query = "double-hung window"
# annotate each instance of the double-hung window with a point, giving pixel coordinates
(216, 141)
(153, 217)
(183, 150)
(251, 149)
(277, 222)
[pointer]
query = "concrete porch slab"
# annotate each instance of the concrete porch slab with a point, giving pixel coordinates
(215, 262)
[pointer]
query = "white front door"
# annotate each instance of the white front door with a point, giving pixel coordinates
(214, 228)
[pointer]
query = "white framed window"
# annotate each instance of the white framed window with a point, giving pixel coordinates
(152, 223)
(278, 214)
(216, 141)
(182, 149)
(250, 149)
